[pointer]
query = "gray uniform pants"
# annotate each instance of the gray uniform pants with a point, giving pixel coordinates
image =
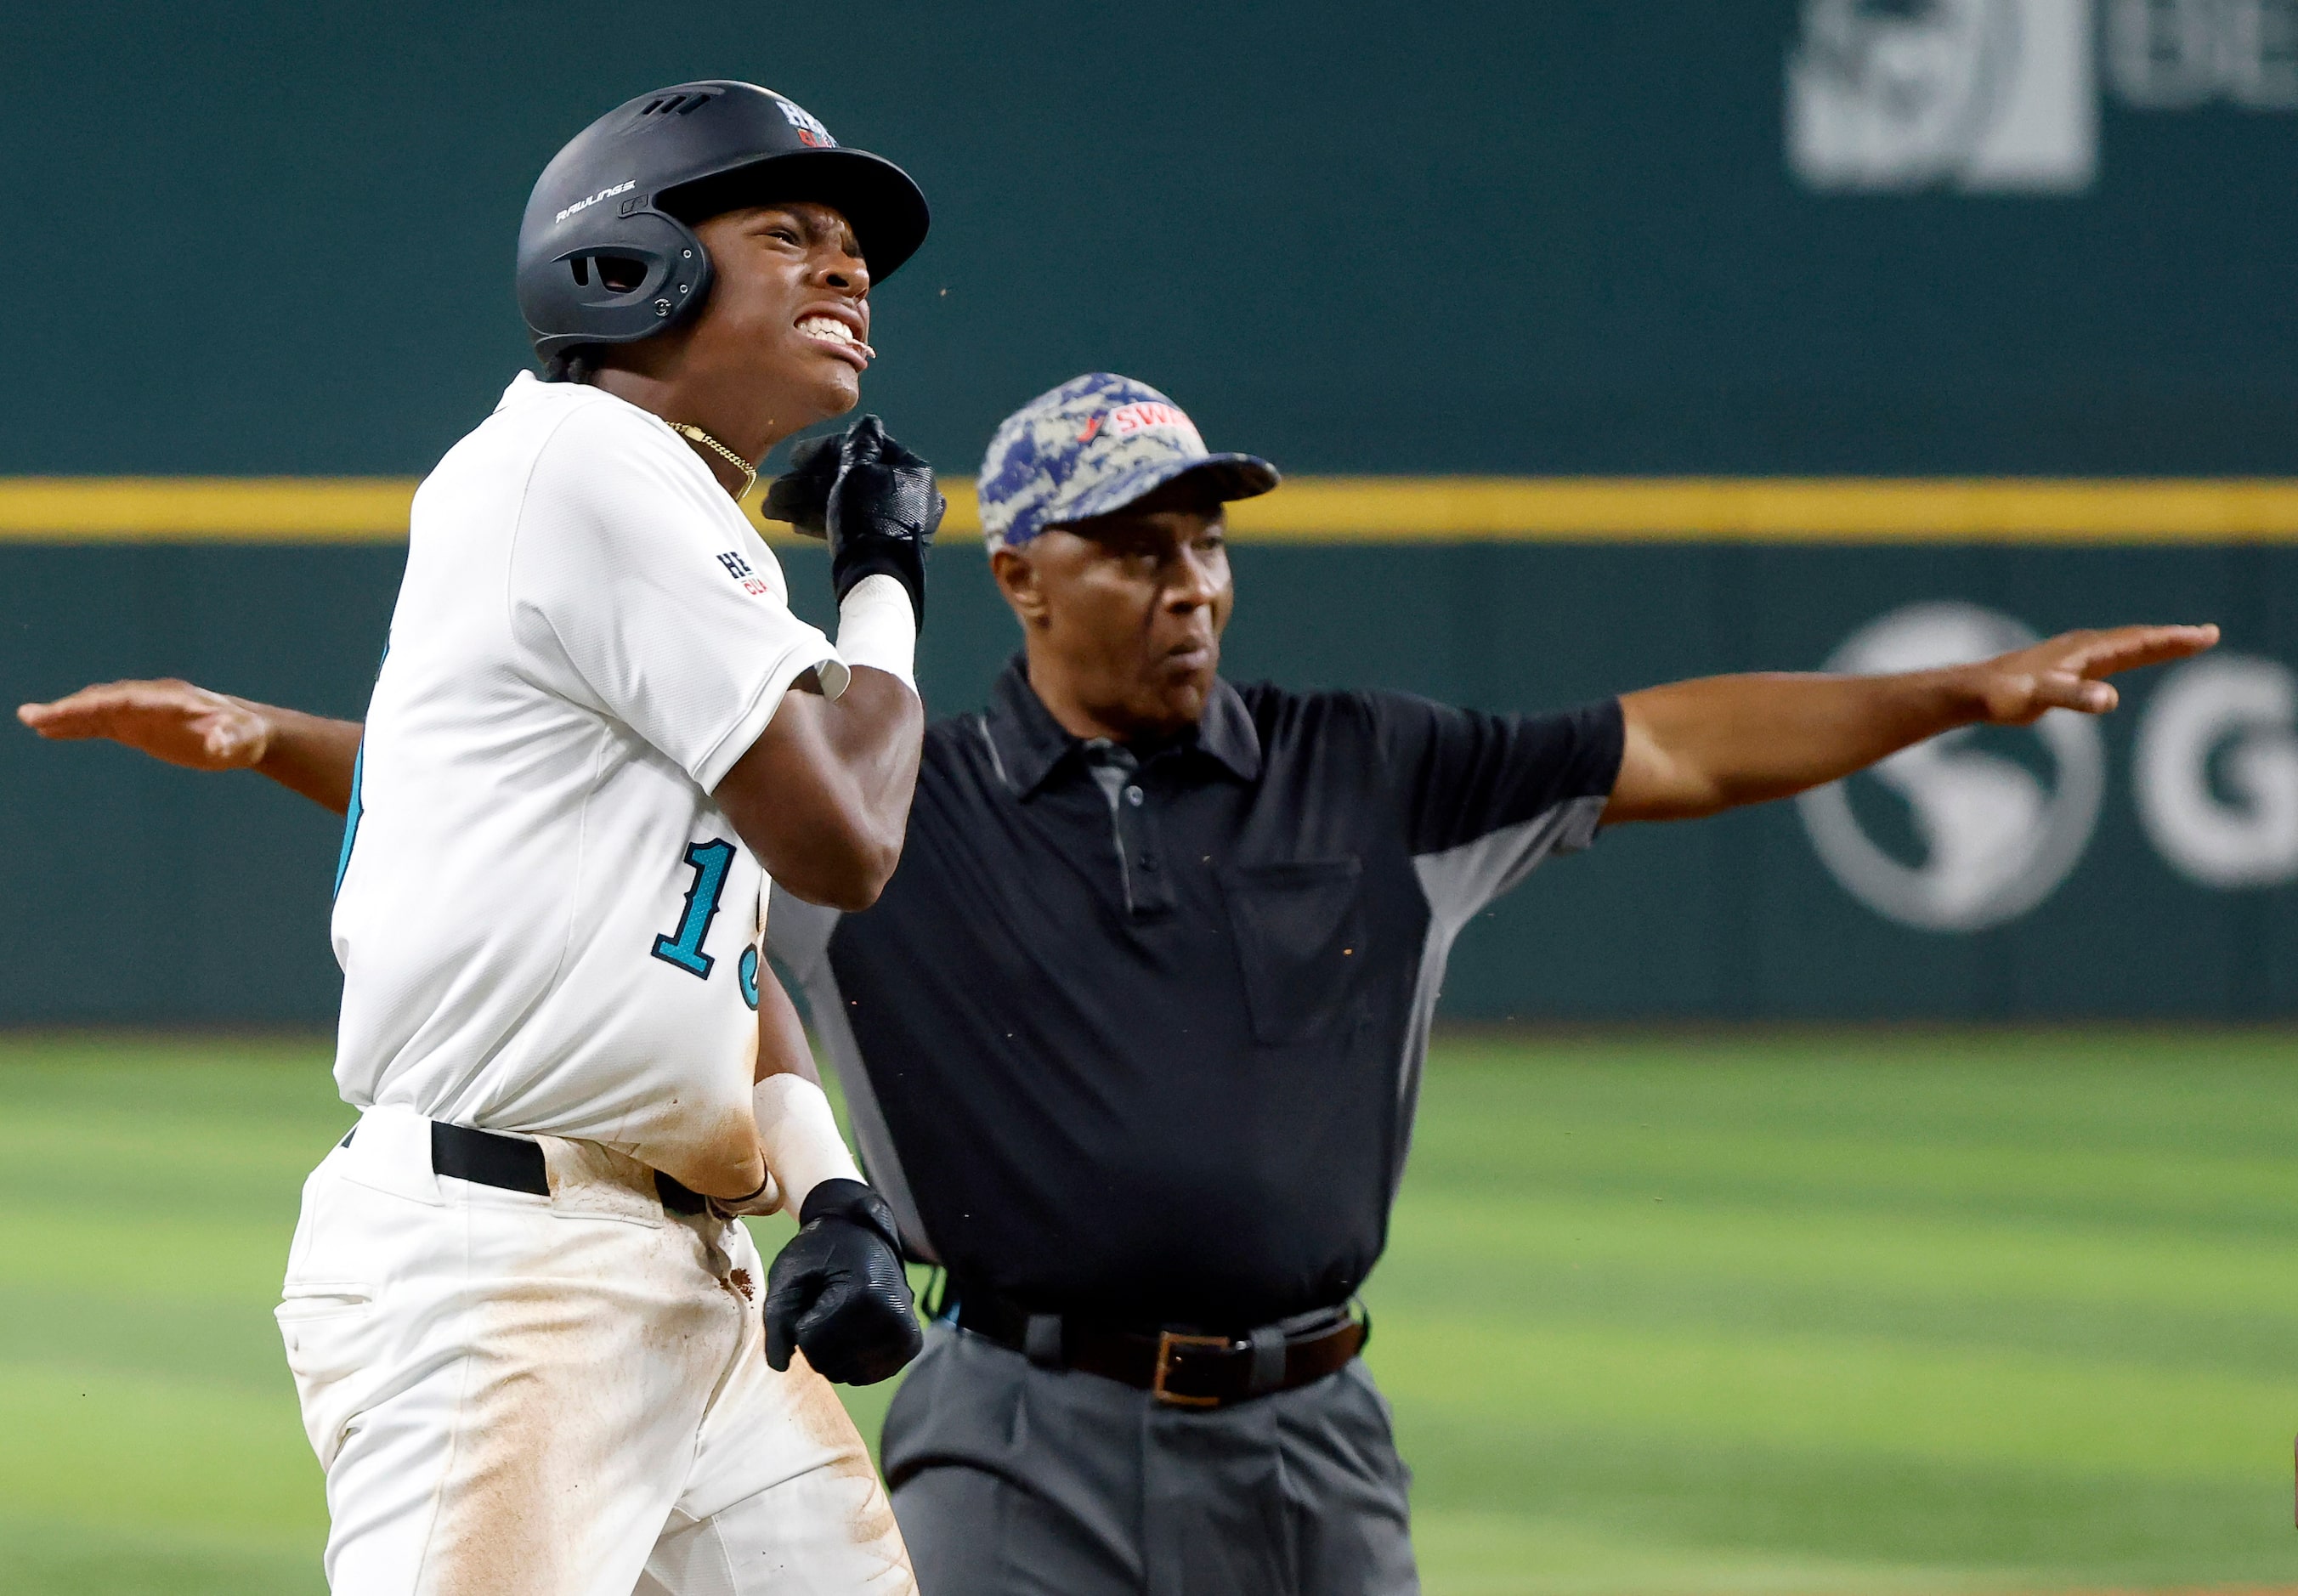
(1012, 1480)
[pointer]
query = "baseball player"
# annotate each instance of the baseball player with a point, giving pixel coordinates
(524, 1323)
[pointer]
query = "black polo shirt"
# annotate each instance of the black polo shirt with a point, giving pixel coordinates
(1138, 1033)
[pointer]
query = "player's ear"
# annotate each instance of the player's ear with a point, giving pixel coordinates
(1016, 576)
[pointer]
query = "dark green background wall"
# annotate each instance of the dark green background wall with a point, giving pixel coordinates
(1356, 237)
(139, 892)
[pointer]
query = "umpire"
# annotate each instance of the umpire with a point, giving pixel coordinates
(1134, 1035)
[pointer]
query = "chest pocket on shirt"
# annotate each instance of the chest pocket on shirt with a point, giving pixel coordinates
(1300, 942)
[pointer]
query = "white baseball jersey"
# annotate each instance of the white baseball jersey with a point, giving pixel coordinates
(545, 923)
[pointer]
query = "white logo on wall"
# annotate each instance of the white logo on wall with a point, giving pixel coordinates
(2000, 97)
(2217, 769)
(1996, 840)
(1981, 95)
(2170, 55)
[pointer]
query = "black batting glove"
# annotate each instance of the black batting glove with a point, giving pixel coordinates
(872, 498)
(883, 512)
(801, 494)
(837, 1291)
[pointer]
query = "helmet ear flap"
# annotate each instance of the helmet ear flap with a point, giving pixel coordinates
(631, 276)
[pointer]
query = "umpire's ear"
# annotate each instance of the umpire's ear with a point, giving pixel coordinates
(1017, 578)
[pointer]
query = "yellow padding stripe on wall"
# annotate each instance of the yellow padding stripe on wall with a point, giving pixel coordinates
(170, 510)
(1319, 510)
(1773, 509)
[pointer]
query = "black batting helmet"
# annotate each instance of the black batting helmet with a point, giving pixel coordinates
(605, 253)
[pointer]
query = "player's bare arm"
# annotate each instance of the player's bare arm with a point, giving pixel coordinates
(783, 1050)
(782, 1046)
(822, 797)
(1695, 747)
(844, 769)
(180, 723)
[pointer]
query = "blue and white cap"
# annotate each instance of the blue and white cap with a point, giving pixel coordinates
(1093, 445)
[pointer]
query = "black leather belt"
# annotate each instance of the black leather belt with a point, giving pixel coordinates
(513, 1163)
(1183, 1367)
(510, 1162)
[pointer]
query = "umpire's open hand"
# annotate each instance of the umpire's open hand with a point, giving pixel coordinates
(872, 498)
(169, 720)
(836, 1291)
(2066, 672)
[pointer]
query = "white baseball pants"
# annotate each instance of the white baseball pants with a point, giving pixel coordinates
(521, 1395)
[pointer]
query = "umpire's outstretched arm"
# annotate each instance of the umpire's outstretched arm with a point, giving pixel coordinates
(180, 723)
(1695, 747)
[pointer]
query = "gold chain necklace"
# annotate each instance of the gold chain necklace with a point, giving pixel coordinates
(686, 429)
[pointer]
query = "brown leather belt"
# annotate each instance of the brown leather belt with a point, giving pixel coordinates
(1183, 1367)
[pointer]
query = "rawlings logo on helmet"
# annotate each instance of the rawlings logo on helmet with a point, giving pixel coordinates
(605, 193)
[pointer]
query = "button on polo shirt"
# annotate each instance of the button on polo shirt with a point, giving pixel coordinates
(1136, 1031)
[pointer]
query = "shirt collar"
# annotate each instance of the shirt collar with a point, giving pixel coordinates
(1029, 743)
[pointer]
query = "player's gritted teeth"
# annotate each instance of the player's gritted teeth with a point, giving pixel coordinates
(839, 334)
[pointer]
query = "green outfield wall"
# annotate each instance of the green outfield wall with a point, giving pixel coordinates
(1703, 235)
(1604, 344)
(2144, 868)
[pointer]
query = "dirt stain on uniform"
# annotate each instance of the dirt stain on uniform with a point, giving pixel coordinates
(716, 1149)
(506, 1513)
(565, 1370)
(814, 1407)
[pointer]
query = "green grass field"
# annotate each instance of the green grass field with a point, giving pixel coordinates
(1802, 1312)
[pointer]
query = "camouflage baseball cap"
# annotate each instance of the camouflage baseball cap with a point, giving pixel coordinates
(1093, 445)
